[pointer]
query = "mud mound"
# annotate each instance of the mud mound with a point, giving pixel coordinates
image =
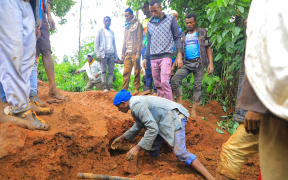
(83, 128)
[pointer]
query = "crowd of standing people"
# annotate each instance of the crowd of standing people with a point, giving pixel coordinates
(169, 55)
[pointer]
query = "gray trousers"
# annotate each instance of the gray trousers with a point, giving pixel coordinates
(17, 50)
(188, 68)
(107, 62)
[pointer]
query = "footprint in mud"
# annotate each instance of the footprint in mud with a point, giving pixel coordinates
(77, 119)
(73, 115)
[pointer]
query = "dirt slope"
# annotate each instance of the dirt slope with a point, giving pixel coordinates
(78, 141)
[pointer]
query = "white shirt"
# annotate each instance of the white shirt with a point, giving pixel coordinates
(109, 41)
(92, 70)
(266, 60)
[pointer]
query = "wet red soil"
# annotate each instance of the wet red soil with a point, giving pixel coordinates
(78, 141)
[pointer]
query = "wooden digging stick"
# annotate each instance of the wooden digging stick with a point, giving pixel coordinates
(100, 176)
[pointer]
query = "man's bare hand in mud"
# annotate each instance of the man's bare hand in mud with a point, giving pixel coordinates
(252, 122)
(117, 142)
(133, 153)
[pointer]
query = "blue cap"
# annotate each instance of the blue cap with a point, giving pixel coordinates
(122, 96)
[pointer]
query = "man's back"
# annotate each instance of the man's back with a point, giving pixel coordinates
(155, 103)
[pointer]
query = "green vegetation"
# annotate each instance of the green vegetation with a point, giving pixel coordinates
(61, 7)
(227, 39)
(224, 20)
(66, 78)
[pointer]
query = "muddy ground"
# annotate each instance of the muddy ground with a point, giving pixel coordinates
(81, 130)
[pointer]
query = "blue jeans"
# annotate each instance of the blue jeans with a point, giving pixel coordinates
(33, 84)
(3, 97)
(34, 80)
(148, 73)
(180, 149)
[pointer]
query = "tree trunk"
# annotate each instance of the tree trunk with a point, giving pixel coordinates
(80, 22)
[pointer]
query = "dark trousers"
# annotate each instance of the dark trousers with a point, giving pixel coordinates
(148, 73)
(107, 63)
(188, 68)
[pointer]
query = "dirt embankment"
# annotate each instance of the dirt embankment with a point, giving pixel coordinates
(78, 141)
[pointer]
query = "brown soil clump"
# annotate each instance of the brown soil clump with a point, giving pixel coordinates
(79, 138)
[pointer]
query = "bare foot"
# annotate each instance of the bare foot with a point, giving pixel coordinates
(57, 95)
(14, 120)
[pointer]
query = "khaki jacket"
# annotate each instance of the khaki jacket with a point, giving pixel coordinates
(133, 39)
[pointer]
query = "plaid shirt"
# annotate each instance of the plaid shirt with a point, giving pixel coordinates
(161, 37)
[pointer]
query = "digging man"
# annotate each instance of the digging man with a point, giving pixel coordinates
(164, 120)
